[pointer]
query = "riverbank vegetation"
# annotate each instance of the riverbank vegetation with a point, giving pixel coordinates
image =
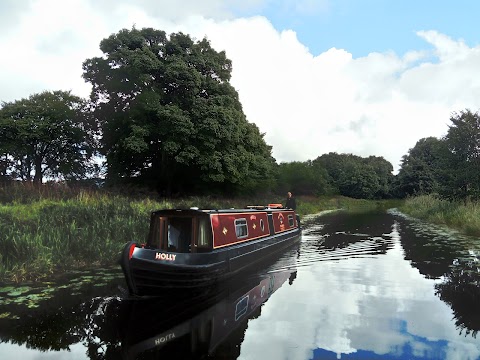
(464, 216)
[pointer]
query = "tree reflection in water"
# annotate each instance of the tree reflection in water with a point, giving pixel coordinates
(461, 290)
(439, 254)
(94, 324)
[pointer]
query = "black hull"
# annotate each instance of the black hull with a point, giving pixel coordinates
(146, 276)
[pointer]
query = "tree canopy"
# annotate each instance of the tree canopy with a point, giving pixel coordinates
(462, 170)
(50, 134)
(170, 117)
(303, 178)
(357, 177)
(420, 171)
(450, 166)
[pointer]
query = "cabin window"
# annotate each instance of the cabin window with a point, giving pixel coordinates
(241, 229)
(290, 220)
(262, 225)
(154, 237)
(203, 236)
(179, 234)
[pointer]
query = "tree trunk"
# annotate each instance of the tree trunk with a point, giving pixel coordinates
(37, 180)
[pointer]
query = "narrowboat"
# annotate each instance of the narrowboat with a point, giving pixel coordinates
(193, 248)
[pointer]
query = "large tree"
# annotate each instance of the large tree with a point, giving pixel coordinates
(357, 177)
(421, 169)
(303, 178)
(50, 134)
(463, 143)
(169, 115)
(384, 173)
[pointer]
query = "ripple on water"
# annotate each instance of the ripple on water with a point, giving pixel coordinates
(319, 244)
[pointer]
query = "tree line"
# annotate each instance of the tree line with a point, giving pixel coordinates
(163, 114)
(448, 167)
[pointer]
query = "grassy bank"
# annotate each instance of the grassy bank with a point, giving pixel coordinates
(312, 205)
(458, 215)
(48, 236)
(47, 230)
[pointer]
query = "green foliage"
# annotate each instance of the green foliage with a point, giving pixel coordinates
(302, 178)
(170, 117)
(383, 174)
(421, 169)
(53, 235)
(338, 174)
(50, 134)
(462, 165)
(357, 177)
(449, 166)
(457, 214)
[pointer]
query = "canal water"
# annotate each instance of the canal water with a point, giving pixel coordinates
(359, 286)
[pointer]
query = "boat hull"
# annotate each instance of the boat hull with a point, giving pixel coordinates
(149, 271)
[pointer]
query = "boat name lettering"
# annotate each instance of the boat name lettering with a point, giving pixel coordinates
(164, 339)
(163, 256)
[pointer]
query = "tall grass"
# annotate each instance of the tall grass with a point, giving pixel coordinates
(46, 235)
(463, 216)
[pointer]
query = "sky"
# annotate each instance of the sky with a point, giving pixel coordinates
(366, 77)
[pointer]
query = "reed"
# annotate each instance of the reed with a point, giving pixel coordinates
(462, 216)
(46, 236)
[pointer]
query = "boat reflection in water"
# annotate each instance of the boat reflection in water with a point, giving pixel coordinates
(201, 325)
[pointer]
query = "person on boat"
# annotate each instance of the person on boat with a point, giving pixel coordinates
(290, 203)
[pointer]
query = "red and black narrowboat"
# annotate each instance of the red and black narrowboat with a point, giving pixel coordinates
(193, 248)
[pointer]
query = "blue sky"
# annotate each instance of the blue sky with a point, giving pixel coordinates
(365, 26)
(364, 77)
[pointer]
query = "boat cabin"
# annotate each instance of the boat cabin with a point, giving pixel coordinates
(199, 231)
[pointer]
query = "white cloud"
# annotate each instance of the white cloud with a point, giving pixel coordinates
(381, 104)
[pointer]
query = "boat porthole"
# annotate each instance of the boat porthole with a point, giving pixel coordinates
(262, 226)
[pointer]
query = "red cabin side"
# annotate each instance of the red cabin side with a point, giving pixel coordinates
(231, 228)
(284, 220)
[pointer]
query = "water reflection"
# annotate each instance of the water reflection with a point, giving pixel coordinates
(180, 324)
(338, 236)
(369, 286)
(156, 328)
(61, 318)
(461, 290)
(453, 258)
(431, 249)
(359, 294)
